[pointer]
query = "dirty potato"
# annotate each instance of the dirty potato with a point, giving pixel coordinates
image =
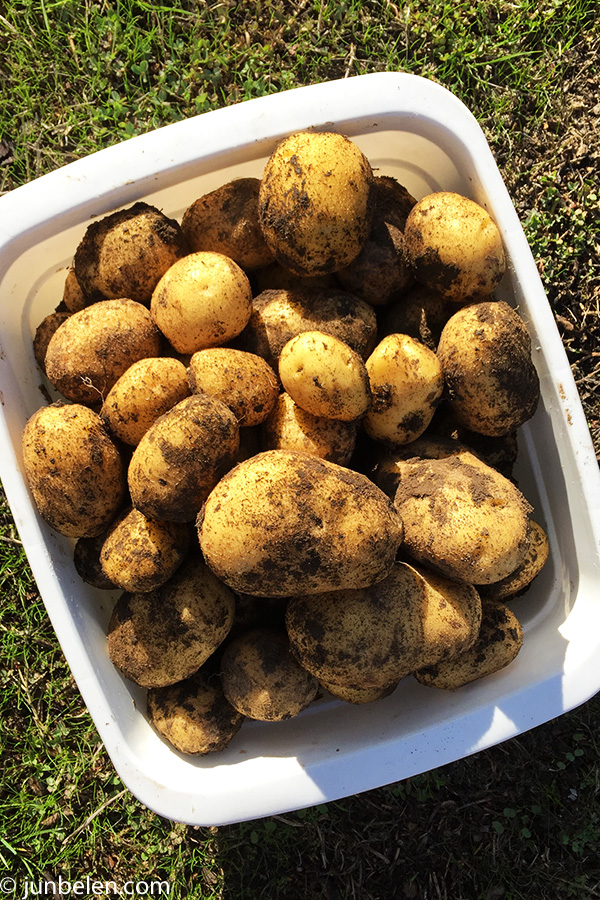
(74, 469)
(181, 457)
(316, 202)
(288, 427)
(146, 390)
(91, 349)
(246, 383)
(283, 523)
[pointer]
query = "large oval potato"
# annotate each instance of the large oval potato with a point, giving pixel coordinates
(462, 517)
(90, 351)
(181, 457)
(316, 202)
(407, 385)
(279, 315)
(284, 523)
(125, 253)
(373, 637)
(74, 469)
(485, 353)
(164, 636)
(202, 300)
(454, 247)
(325, 376)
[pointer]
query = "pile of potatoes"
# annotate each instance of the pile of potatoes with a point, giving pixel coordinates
(286, 439)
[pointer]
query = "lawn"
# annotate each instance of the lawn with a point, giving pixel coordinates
(520, 820)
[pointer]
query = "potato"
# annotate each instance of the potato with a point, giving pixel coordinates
(125, 253)
(277, 277)
(203, 300)
(279, 315)
(74, 469)
(146, 390)
(316, 202)
(93, 348)
(193, 715)
(288, 427)
(86, 559)
(261, 679)
(499, 641)
(485, 354)
(407, 385)
(141, 554)
(181, 457)
(163, 636)
(73, 297)
(519, 580)
(359, 695)
(370, 638)
(380, 271)
(226, 221)
(454, 247)
(283, 523)
(325, 376)
(462, 517)
(420, 313)
(246, 383)
(43, 334)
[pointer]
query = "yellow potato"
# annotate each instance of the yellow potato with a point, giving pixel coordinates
(146, 390)
(288, 427)
(202, 300)
(74, 469)
(91, 349)
(243, 381)
(181, 457)
(283, 523)
(407, 385)
(325, 377)
(485, 354)
(316, 202)
(454, 247)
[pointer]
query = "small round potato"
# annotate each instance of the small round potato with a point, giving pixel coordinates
(74, 469)
(73, 297)
(359, 695)
(163, 636)
(193, 715)
(283, 523)
(262, 680)
(181, 457)
(407, 385)
(316, 202)
(485, 354)
(226, 221)
(420, 312)
(371, 638)
(454, 247)
(288, 427)
(325, 377)
(203, 300)
(279, 315)
(245, 382)
(125, 253)
(141, 554)
(146, 390)
(93, 348)
(86, 559)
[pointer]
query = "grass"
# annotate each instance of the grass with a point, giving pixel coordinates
(517, 821)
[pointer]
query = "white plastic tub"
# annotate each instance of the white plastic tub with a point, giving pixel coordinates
(415, 130)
